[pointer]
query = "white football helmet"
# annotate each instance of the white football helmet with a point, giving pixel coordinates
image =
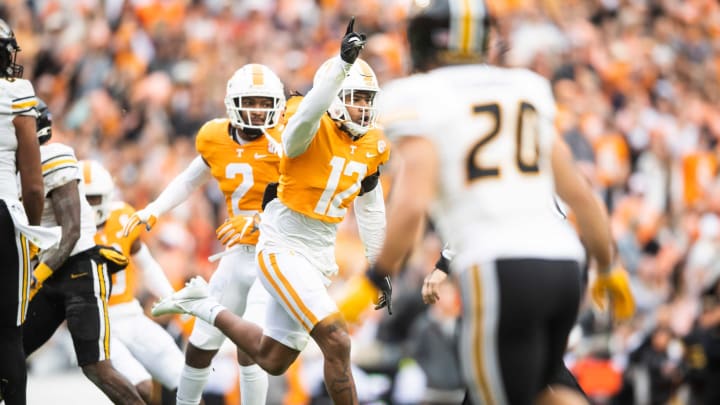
(360, 78)
(254, 80)
(97, 182)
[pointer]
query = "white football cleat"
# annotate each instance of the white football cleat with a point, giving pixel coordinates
(193, 299)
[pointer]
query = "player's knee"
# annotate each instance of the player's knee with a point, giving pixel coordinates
(198, 358)
(94, 372)
(336, 343)
(276, 367)
(244, 359)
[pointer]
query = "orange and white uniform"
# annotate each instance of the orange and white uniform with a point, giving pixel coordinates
(141, 349)
(242, 169)
(321, 171)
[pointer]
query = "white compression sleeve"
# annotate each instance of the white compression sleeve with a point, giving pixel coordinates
(155, 279)
(253, 385)
(180, 187)
(370, 216)
(191, 385)
(303, 125)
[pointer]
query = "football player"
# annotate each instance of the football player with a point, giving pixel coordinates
(241, 153)
(478, 152)
(331, 158)
(19, 152)
(72, 281)
(141, 349)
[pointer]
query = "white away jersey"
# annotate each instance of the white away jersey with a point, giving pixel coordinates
(493, 131)
(59, 167)
(17, 97)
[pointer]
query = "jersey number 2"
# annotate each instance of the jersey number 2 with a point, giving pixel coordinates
(232, 170)
(526, 142)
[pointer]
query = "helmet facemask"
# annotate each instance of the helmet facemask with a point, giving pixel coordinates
(8, 53)
(255, 99)
(43, 122)
(358, 113)
(245, 117)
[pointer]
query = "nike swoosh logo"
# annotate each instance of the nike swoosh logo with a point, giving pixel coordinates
(259, 156)
(78, 275)
(370, 155)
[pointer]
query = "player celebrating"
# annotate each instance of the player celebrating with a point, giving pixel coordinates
(241, 153)
(332, 154)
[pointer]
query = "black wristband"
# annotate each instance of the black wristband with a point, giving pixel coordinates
(443, 264)
(376, 277)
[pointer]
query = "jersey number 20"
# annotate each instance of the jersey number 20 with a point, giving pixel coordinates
(526, 142)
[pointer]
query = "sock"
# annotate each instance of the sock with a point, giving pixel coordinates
(192, 382)
(253, 385)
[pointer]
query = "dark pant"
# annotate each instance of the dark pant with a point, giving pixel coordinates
(78, 292)
(14, 289)
(13, 375)
(517, 314)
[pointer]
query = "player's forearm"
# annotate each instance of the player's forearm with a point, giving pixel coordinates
(181, 187)
(303, 125)
(28, 163)
(593, 222)
(370, 215)
(66, 205)
(153, 275)
(405, 218)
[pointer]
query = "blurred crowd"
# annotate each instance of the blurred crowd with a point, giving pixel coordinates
(637, 84)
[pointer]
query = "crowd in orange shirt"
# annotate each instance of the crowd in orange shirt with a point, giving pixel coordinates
(637, 85)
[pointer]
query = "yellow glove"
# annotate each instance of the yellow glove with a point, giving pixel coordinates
(139, 217)
(114, 260)
(234, 229)
(614, 286)
(34, 250)
(358, 295)
(41, 273)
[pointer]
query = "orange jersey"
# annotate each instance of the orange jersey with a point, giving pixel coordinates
(323, 181)
(242, 171)
(124, 283)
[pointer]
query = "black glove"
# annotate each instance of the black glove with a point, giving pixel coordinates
(352, 43)
(383, 284)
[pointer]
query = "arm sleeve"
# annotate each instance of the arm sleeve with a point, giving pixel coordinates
(23, 98)
(59, 166)
(303, 125)
(180, 187)
(370, 216)
(154, 277)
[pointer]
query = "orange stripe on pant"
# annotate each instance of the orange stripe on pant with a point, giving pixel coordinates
(276, 287)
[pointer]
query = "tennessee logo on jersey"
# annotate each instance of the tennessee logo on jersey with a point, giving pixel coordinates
(124, 283)
(242, 171)
(323, 181)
